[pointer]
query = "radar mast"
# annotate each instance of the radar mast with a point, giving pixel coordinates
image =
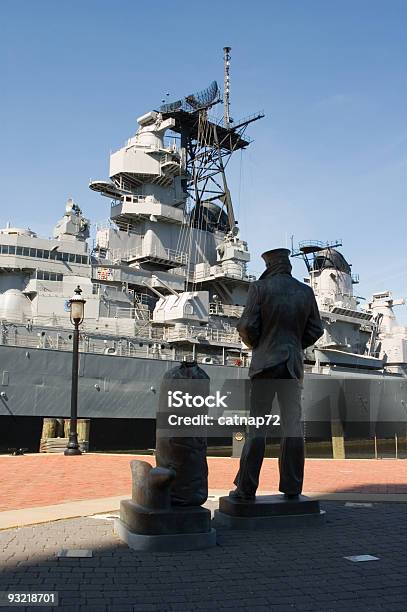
(208, 143)
(226, 86)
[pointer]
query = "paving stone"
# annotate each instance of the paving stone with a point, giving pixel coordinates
(291, 569)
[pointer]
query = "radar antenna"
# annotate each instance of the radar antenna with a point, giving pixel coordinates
(208, 144)
(309, 250)
(201, 100)
(226, 86)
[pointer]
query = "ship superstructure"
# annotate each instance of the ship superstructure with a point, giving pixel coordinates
(354, 337)
(175, 243)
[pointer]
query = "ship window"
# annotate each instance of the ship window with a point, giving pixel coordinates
(26, 251)
(52, 254)
(33, 252)
(40, 253)
(46, 254)
(65, 256)
(46, 275)
(72, 257)
(38, 275)
(59, 277)
(4, 249)
(19, 251)
(12, 250)
(59, 256)
(77, 258)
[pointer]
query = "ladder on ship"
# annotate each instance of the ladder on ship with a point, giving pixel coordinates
(141, 311)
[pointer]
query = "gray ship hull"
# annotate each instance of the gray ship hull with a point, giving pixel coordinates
(36, 383)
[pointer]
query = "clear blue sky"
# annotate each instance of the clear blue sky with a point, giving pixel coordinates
(329, 160)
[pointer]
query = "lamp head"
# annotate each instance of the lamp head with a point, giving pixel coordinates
(77, 304)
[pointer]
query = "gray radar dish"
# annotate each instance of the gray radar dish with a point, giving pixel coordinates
(196, 101)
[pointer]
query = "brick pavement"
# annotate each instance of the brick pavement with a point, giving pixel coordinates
(40, 480)
(293, 569)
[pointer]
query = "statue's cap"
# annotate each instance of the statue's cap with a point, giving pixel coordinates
(276, 256)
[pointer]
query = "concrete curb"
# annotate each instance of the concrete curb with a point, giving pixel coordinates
(44, 514)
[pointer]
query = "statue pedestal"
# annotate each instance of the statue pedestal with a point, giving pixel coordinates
(172, 529)
(267, 512)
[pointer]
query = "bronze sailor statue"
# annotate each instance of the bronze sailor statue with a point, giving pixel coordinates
(280, 320)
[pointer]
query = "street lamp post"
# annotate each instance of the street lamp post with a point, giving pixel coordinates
(77, 307)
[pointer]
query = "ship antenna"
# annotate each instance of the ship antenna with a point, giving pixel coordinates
(226, 87)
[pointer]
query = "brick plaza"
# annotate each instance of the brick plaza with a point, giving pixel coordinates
(285, 569)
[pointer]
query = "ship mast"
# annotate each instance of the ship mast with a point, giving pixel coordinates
(226, 86)
(208, 144)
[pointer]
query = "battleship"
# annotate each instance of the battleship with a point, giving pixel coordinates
(165, 279)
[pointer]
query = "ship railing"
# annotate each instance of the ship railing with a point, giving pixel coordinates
(182, 354)
(117, 325)
(157, 252)
(249, 118)
(227, 310)
(194, 276)
(219, 120)
(169, 157)
(187, 274)
(105, 225)
(153, 347)
(127, 227)
(62, 340)
(319, 243)
(38, 340)
(52, 320)
(209, 334)
(146, 347)
(143, 298)
(132, 313)
(98, 288)
(213, 271)
(126, 349)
